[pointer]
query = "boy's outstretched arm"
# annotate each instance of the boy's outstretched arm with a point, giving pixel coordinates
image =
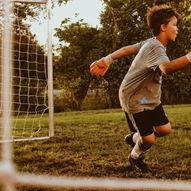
(176, 64)
(100, 67)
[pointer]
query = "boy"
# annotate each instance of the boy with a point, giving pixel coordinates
(140, 90)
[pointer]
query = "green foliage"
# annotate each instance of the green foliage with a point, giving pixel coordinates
(122, 23)
(130, 18)
(97, 96)
(177, 87)
(68, 101)
(72, 66)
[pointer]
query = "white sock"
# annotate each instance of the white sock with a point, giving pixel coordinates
(137, 151)
(135, 137)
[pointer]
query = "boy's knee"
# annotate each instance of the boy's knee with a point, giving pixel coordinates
(148, 140)
(163, 130)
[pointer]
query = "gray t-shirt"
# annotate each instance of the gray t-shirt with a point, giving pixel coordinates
(141, 87)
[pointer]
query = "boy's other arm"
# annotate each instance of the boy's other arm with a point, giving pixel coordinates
(176, 64)
(101, 66)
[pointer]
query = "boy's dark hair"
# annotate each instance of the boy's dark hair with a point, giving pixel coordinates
(158, 15)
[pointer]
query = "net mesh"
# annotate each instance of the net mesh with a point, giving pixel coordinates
(30, 80)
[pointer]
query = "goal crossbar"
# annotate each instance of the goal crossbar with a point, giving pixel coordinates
(45, 181)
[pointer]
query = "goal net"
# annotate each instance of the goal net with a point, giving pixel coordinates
(32, 105)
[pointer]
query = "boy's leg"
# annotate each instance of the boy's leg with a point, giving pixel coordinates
(131, 126)
(162, 130)
(143, 123)
(161, 123)
(136, 157)
(131, 138)
(151, 124)
(142, 145)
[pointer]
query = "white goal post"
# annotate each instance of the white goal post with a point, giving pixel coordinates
(31, 84)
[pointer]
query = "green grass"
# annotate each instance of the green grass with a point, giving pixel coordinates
(91, 143)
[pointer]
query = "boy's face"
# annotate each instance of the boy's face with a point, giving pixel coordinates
(171, 29)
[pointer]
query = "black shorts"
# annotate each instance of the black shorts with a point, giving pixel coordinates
(145, 121)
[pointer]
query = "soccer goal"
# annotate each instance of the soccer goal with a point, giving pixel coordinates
(31, 80)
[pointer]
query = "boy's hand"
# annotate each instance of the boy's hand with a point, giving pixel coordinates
(99, 68)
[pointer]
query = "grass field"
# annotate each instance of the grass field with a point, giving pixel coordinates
(91, 143)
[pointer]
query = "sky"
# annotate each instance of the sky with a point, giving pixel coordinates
(88, 10)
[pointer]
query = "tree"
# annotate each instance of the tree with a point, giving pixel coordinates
(123, 22)
(177, 87)
(130, 18)
(72, 66)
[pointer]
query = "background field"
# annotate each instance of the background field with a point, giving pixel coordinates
(91, 143)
